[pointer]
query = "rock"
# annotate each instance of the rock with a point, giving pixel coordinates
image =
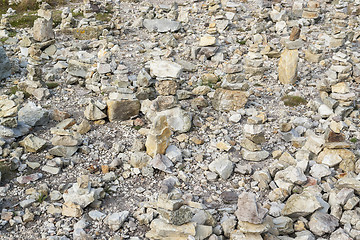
(68, 141)
(325, 111)
(84, 127)
(42, 30)
(116, 220)
(162, 230)
(165, 69)
(347, 182)
(203, 231)
(229, 100)
(122, 110)
(255, 156)
(71, 209)
(253, 212)
(288, 66)
(284, 225)
(32, 115)
(96, 215)
(207, 41)
(139, 159)
(158, 139)
(5, 67)
(223, 167)
(29, 178)
(167, 87)
(301, 205)
(239, 235)
(320, 170)
(291, 174)
(92, 112)
(51, 169)
(181, 216)
(161, 25)
(321, 223)
(32, 143)
(162, 163)
(77, 69)
(63, 151)
(314, 144)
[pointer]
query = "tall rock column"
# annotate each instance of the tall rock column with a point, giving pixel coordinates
(288, 64)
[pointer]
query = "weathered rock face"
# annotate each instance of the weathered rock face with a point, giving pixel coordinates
(42, 30)
(229, 100)
(158, 139)
(122, 110)
(288, 66)
(5, 67)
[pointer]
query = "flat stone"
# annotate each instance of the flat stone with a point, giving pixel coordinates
(51, 169)
(255, 156)
(63, 151)
(122, 110)
(207, 41)
(162, 230)
(32, 143)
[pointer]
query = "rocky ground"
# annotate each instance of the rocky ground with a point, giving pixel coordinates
(181, 120)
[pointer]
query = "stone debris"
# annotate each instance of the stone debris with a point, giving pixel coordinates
(180, 120)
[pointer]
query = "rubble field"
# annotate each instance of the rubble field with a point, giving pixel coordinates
(180, 120)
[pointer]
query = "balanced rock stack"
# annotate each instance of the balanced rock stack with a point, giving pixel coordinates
(67, 20)
(166, 74)
(339, 23)
(79, 196)
(178, 218)
(288, 63)
(254, 136)
(254, 63)
(335, 91)
(252, 220)
(65, 140)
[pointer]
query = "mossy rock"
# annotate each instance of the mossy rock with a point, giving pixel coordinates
(292, 101)
(85, 33)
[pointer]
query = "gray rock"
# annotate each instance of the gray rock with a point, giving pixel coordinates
(116, 220)
(42, 30)
(165, 69)
(51, 169)
(96, 215)
(5, 67)
(321, 223)
(32, 115)
(63, 151)
(181, 216)
(320, 170)
(254, 156)
(161, 25)
(223, 167)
